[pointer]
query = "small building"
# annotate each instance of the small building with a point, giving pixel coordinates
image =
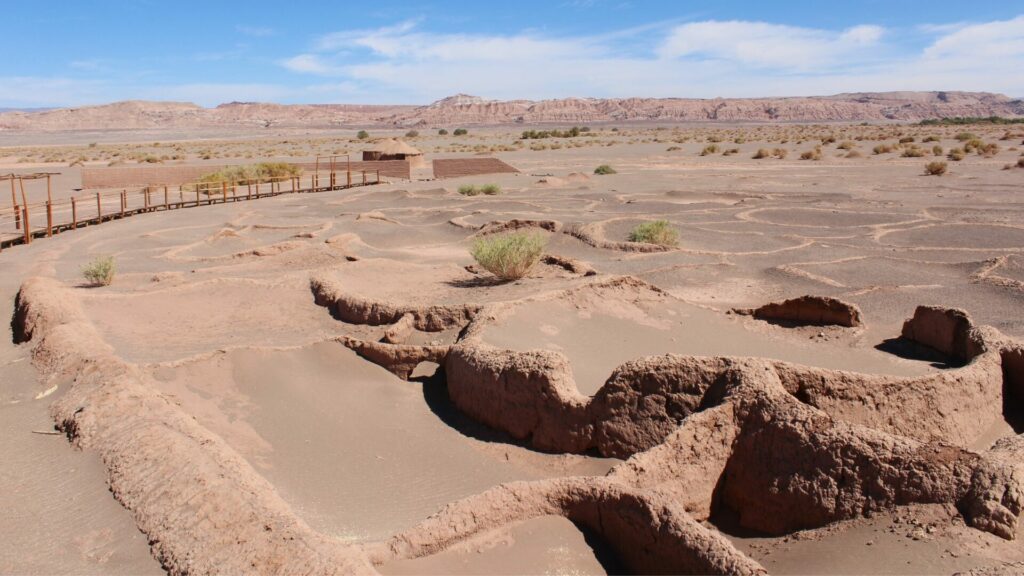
(392, 149)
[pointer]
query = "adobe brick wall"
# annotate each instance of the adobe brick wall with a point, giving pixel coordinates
(456, 167)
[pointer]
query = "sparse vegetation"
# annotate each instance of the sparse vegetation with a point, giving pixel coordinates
(485, 189)
(956, 154)
(99, 272)
(509, 256)
(442, 132)
(935, 168)
(659, 232)
(460, 132)
(412, 134)
(362, 134)
(236, 175)
(604, 170)
(709, 149)
(541, 134)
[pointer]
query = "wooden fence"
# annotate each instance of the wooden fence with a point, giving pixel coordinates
(24, 221)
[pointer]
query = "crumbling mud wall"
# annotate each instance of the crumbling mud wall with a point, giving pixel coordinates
(202, 506)
(787, 447)
(808, 310)
(206, 511)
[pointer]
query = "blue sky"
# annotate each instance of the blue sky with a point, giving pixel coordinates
(76, 52)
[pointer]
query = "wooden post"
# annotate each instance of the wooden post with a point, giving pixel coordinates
(224, 190)
(74, 214)
(167, 205)
(145, 198)
(378, 177)
(316, 174)
(257, 188)
(124, 201)
(364, 177)
(197, 194)
(26, 225)
(348, 170)
(49, 219)
(14, 203)
(99, 208)
(49, 197)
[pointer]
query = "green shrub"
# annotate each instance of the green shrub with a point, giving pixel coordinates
(604, 169)
(442, 132)
(362, 134)
(659, 232)
(709, 149)
(761, 153)
(935, 168)
(490, 189)
(469, 190)
(965, 136)
(956, 154)
(412, 134)
(509, 256)
(237, 175)
(99, 272)
(937, 150)
(913, 152)
(930, 139)
(460, 132)
(906, 139)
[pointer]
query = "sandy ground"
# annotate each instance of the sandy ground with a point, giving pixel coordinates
(215, 304)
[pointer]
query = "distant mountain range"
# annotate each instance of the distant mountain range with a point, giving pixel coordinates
(463, 109)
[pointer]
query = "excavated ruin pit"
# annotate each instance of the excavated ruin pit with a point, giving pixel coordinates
(598, 332)
(284, 411)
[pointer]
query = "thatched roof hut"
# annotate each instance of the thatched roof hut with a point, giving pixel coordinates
(392, 149)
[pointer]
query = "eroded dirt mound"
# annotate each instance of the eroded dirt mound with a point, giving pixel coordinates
(808, 310)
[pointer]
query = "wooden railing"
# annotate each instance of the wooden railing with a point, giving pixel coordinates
(22, 222)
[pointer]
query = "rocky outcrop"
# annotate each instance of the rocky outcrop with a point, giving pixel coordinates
(808, 310)
(948, 330)
(355, 309)
(468, 110)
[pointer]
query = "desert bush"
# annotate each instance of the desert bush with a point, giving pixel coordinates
(780, 153)
(853, 154)
(989, 149)
(906, 139)
(234, 175)
(937, 150)
(731, 151)
(99, 272)
(362, 134)
(811, 155)
(490, 189)
(709, 149)
(509, 256)
(460, 132)
(442, 132)
(412, 134)
(966, 136)
(604, 169)
(846, 145)
(673, 149)
(913, 152)
(761, 153)
(469, 190)
(956, 154)
(1020, 162)
(882, 149)
(659, 232)
(930, 139)
(935, 168)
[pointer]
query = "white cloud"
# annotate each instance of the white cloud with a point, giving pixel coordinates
(761, 44)
(999, 39)
(310, 64)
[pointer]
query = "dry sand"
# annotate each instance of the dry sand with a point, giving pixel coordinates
(215, 308)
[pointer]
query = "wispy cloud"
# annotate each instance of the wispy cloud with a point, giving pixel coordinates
(701, 59)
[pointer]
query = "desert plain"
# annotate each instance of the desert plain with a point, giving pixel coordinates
(328, 383)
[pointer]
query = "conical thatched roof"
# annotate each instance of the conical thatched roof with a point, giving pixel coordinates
(392, 146)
